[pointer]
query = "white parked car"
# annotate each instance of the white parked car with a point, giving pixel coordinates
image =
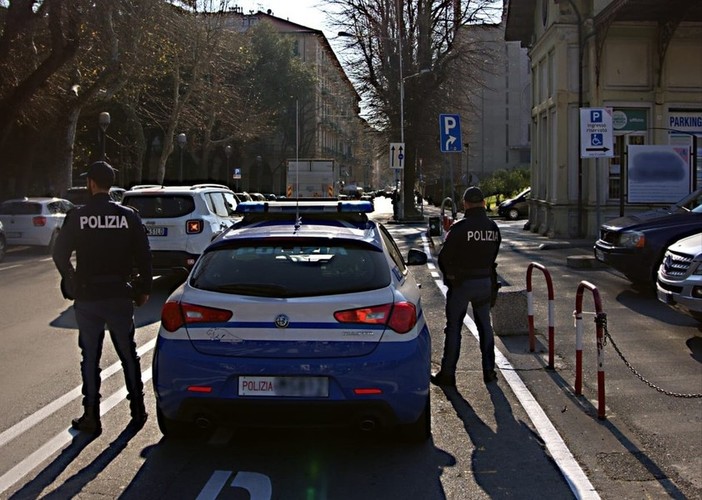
(182, 220)
(33, 221)
(679, 282)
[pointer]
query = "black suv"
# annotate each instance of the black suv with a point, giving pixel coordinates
(635, 244)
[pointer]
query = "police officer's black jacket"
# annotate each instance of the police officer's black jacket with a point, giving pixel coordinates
(111, 245)
(471, 247)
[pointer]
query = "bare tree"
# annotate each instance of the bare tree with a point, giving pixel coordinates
(411, 62)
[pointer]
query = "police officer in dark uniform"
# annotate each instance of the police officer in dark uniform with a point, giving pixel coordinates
(467, 260)
(113, 274)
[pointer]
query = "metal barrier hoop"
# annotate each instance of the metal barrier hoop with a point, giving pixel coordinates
(578, 313)
(530, 311)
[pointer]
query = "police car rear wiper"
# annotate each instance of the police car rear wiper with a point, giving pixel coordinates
(254, 289)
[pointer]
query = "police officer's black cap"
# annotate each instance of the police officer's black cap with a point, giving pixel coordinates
(102, 173)
(473, 195)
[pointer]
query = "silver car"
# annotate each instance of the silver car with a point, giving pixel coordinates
(679, 282)
(33, 221)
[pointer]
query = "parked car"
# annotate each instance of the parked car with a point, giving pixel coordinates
(679, 281)
(33, 221)
(182, 220)
(635, 244)
(258, 196)
(79, 195)
(314, 321)
(514, 208)
(243, 196)
(3, 242)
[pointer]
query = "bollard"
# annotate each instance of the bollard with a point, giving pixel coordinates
(446, 221)
(530, 310)
(578, 313)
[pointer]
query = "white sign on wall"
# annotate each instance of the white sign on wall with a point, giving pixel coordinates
(596, 133)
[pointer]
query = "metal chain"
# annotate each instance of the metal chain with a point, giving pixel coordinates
(601, 320)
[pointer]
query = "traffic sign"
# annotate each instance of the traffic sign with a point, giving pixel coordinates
(596, 133)
(236, 174)
(450, 133)
(397, 155)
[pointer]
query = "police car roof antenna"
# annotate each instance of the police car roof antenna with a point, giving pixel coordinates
(298, 221)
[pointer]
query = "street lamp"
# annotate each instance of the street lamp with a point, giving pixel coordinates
(104, 122)
(228, 154)
(182, 139)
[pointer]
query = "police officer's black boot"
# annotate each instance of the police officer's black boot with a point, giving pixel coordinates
(89, 422)
(138, 411)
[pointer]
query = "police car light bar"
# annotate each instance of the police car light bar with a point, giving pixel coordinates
(292, 206)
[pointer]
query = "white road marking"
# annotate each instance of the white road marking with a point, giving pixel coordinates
(59, 440)
(46, 411)
(5, 268)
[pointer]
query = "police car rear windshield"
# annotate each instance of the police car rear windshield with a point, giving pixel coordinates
(302, 268)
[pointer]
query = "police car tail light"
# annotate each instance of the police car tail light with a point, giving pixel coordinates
(193, 226)
(175, 315)
(401, 317)
(39, 221)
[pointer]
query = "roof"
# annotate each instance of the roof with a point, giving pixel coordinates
(520, 14)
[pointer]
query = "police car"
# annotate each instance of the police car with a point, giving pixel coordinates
(303, 313)
(182, 220)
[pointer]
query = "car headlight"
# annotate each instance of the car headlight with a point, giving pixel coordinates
(698, 271)
(632, 239)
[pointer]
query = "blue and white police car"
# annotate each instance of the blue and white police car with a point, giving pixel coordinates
(302, 314)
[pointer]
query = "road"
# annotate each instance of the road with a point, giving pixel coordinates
(495, 442)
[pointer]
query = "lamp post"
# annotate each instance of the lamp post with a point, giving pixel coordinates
(104, 122)
(228, 154)
(182, 139)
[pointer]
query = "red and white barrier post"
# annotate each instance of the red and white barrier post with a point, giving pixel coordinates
(578, 313)
(551, 309)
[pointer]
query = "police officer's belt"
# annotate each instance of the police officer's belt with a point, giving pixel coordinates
(474, 274)
(106, 278)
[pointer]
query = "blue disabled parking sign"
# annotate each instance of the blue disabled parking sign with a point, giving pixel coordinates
(596, 134)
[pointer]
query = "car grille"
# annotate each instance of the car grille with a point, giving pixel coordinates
(676, 265)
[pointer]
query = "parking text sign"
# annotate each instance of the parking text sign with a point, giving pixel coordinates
(596, 133)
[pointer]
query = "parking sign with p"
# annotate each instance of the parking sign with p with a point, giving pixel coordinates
(450, 133)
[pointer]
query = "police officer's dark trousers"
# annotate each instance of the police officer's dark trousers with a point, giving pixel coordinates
(474, 291)
(92, 317)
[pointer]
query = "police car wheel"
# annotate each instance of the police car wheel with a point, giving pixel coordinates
(419, 431)
(172, 428)
(3, 248)
(513, 214)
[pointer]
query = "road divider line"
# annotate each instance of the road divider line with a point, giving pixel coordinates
(64, 437)
(46, 411)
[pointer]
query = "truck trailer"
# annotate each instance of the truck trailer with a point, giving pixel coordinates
(311, 178)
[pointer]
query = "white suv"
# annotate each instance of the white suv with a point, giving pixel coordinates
(182, 220)
(679, 281)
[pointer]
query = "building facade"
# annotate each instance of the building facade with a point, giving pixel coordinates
(497, 133)
(642, 59)
(331, 127)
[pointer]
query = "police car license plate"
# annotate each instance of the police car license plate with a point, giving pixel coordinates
(14, 235)
(307, 387)
(157, 231)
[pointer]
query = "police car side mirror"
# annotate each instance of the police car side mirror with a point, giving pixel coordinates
(416, 257)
